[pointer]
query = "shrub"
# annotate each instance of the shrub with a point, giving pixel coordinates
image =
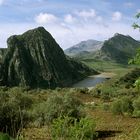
(126, 105)
(69, 128)
(56, 106)
(123, 105)
(136, 105)
(106, 107)
(4, 137)
(116, 107)
(13, 114)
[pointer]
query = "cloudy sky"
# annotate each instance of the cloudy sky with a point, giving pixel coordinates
(69, 21)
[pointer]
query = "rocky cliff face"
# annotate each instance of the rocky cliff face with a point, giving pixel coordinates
(35, 59)
(2, 53)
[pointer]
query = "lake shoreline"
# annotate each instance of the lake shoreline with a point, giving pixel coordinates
(93, 80)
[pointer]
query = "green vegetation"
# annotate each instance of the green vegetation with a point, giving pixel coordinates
(109, 66)
(136, 25)
(123, 105)
(56, 106)
(63, 113)
(21, 108)
(13, 111)
(72, 129)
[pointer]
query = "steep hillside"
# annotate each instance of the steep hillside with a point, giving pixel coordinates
(84, 48)
(119, 48)
(35, 59)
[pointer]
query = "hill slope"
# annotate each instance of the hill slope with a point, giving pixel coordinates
(84, 47)
(35, 59)
(119, 48)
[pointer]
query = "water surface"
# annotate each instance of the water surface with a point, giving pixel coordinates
(89, 82)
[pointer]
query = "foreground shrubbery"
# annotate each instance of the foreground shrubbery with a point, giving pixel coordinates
(56, 106)
(136, 105)
(68, 128)
(123, 105)
(13, 112)
(126, 105)
(20, 108)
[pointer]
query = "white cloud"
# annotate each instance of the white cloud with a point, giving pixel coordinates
(44, 18)
(1, 2)
(117, 16)
(86, 13)
(129, 4)
(71, 29)
(99, 19)
(138, 10)
(68, 36)
(69, 18)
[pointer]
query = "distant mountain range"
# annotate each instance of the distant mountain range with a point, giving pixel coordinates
(84, 47)
(35, 59)
(119, 48)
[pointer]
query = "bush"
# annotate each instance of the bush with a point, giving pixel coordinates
(13, 116)
(4, 137)
(106, 107)
(136, 105)
(116, 107)
(126, 105)
(69, 128)
(55, 106)
(123, 105)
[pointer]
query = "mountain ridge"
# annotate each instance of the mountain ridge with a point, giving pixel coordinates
(84, 46)
(119, 48)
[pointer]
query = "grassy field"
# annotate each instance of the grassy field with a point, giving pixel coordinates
(108, 66)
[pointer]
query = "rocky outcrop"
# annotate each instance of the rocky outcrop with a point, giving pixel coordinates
(35, 59)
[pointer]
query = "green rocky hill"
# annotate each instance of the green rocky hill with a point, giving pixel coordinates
(35, 59)
(120, 48)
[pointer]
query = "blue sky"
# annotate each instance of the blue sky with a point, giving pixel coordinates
(69, 21)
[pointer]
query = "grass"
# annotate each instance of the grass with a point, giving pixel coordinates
(109, 66)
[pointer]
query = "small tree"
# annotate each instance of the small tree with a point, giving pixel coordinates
(136, 25)
(136, 59)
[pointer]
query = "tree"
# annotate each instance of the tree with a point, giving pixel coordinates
(136, 25)
(136, 59)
